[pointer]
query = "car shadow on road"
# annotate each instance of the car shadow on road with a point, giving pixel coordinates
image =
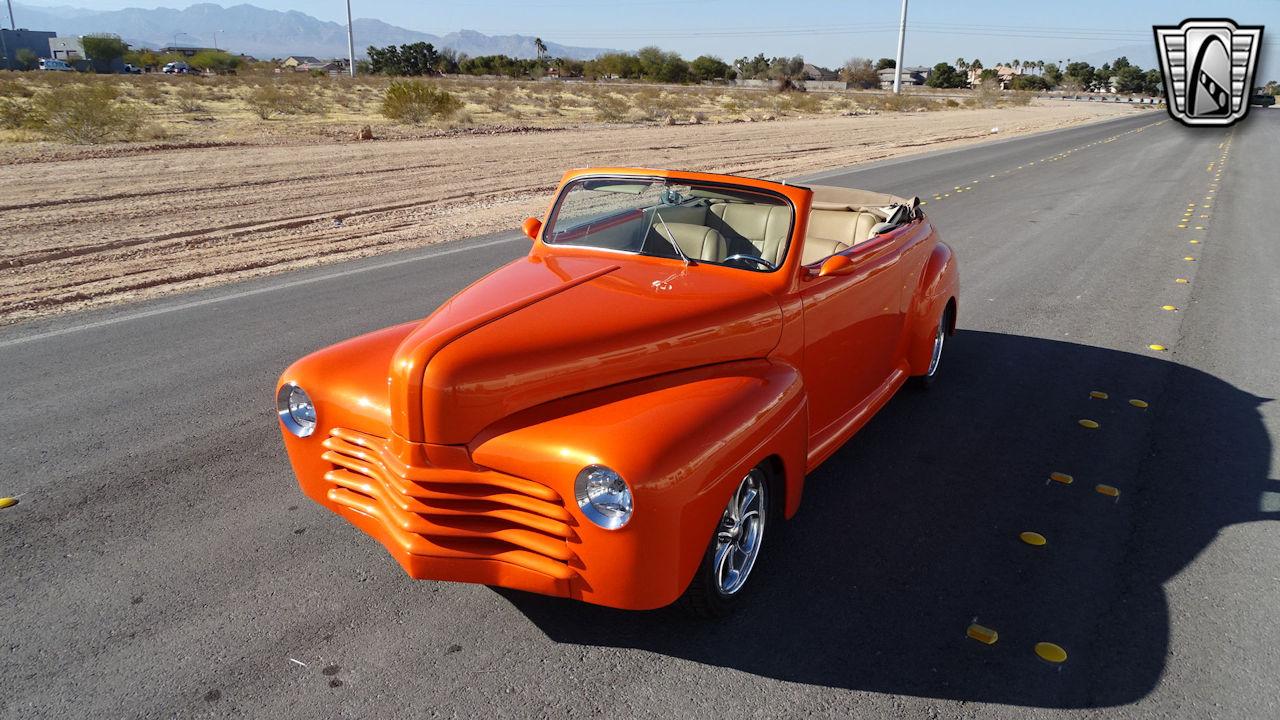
(910, 532)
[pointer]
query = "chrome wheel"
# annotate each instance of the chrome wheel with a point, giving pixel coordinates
(938, 340)
(740, 534)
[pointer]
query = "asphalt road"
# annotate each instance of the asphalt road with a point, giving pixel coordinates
(162, 562)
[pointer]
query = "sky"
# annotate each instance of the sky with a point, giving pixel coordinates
(825, 31)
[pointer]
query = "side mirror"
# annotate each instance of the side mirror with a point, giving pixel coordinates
(836, 265)
(532, 226)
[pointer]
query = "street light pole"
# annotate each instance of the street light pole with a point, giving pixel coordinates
(351, 42)
(902, 39)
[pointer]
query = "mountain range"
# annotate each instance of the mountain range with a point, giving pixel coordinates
(268, 33)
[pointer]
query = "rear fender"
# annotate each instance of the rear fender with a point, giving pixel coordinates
(939, 284)
(682, 441)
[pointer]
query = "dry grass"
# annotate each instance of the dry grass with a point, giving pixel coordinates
(298, 106)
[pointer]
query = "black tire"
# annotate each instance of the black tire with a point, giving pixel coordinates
(706, 596)
(924, 382)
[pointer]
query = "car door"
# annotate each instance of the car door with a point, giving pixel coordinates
(852, 328)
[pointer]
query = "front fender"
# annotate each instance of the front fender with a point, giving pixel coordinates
(682, 441)
(939, 284)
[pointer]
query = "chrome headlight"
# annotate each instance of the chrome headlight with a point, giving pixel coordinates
(295, 409)
(605, 498)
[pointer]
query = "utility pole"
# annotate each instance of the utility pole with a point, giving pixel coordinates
(351, 42)
(902, 39)
(12, 25)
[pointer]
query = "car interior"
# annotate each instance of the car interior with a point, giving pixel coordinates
(746, 229)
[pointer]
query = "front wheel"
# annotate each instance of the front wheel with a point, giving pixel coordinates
(721, 579)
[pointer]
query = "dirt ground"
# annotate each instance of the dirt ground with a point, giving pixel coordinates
(100, 226)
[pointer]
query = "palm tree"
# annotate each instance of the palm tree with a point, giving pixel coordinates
(540, 47)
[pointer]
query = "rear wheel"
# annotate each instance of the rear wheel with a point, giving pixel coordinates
(935, 357)
(721, 579)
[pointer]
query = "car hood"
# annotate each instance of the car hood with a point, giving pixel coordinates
(546, 327)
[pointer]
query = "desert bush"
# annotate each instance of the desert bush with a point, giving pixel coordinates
(14, 114)
(806, 103)
(415, 102)
(15, 88)
(187, 100)
(497, 99)
(149, 92)
(987, 94)
(85, 114)
(611, 108)
(951, 103)
(898, 103)
(1020, 98)
(266, 101)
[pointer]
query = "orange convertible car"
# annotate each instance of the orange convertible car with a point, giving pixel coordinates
(622, 415)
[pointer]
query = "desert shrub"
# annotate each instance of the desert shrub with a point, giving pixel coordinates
(898, 103)
(266, 101)
(14, 114)
(806, 103)
(187, 100)
(951, 103)
(987, 94)
(497, 99)
(14, 88)
(149, 92)
(1020, 98)
(611, 108)
(85, 114)
(415, 102)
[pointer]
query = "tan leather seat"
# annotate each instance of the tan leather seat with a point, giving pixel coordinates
(696, 241)
(834, 230)
(764, 226)
(817, 249)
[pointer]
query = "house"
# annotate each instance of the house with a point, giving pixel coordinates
(69, 49)
(293, 61)
(813, 72)
(1004, 75)
(910, 76)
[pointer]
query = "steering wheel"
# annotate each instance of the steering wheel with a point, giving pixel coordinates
(752, 258)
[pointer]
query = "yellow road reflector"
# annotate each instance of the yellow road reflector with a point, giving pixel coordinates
(1189, 259)
(1182, 281)
(1107, 490)
(982, 634)
(7, 502)
(1182, 227)
(1063, 478)
(1140, 404)
(1098, 395)
(1051, 653)
(1195, 242)
(1089, 424)
(1170, 308)
(924, 202)
(1157, 347)
(1032, 538)
(1199, 227)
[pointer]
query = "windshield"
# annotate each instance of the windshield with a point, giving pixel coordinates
(691, 222)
